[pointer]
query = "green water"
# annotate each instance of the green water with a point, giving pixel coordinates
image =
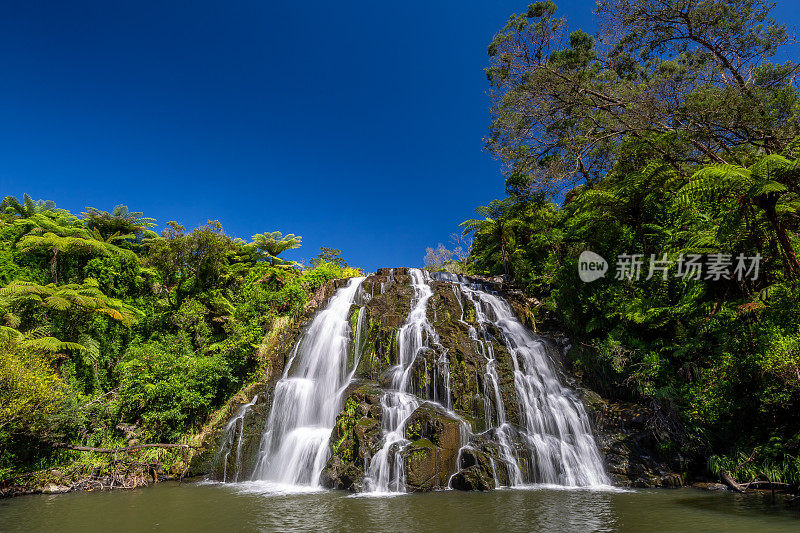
(199, 507)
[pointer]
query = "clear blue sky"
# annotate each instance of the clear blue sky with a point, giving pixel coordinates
(355, 124)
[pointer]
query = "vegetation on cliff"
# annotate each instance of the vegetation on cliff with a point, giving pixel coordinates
(670, 133)
(115, 336)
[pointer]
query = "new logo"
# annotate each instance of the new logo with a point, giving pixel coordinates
(591, 266)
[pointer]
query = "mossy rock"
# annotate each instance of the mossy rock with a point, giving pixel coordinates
(215, 443)
(430, 459)
(472, 479)
(355, 436)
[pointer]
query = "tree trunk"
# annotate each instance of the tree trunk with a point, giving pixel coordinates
(730, 482)
(504, 256)
(785, 242)
(54, 266)
(119, 450)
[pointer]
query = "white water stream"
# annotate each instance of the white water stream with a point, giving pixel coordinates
(555, 444)
(386, 472)
(558, 436)
(294, 446)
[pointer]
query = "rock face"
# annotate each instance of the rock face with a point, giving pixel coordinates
(452, 438)
(630, 446)
(436, 438)
(356, 436)
(230, 448)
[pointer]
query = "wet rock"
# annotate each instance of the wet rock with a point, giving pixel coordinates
(217, 455)
(430, 459)
(630, 448)
(478, 467)
(428, 421)
(385, 313)
(472, 478)
(52, 488)
(355, 437)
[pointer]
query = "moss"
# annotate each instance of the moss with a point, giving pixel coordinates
(350, 406)
(354, 310)
(339, 443)
(414, 427)
(423, 443)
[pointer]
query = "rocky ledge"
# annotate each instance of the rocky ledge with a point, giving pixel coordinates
(435, 456)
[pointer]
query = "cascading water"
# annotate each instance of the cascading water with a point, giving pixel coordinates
(386, 471)
(551, 444)
(234, 436)
(294, 446)
(558, 436)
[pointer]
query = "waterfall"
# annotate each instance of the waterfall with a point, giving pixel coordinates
(558, 436)
(234, 433)
(294, 445)
(550, 442)
(386, 471)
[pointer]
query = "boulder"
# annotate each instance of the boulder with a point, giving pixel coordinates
(356, 436)
(52, 488)
(472, 478)
(430, 459)
(630, 448)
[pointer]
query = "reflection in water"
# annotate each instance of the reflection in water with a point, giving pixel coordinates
(582, 510)
(262, 507)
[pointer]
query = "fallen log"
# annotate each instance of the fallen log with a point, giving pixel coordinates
(727, 477)
(767, 483)
(730, 482)
(119, 450)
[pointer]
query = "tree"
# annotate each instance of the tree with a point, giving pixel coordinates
(59, 245)
(27, 208)
(32, 391)
(496, 225)
(73, 299)
(274, 243)
(771, 185)
(120, 221)
(329, 255)
(435, 258)
(690, 81)
(193, 262)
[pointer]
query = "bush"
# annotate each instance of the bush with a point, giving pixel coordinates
(167, 389)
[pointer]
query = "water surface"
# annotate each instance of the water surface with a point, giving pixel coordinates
(197, 507)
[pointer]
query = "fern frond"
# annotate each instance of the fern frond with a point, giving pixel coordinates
(57, 302)
(52, 345)
(763, 188)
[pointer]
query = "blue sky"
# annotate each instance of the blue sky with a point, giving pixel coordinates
(355, 124)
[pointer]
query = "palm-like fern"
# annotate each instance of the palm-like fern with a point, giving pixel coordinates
(631, 198)
(120, 221)
(27, 207)
(274, 243)
(497, 225)
(768, 185)
(86, 297)
(37, 340)
(57, 245)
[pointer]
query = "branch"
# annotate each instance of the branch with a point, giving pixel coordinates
(730, 482)
(120, 450)
(752, 455)
(84, 406)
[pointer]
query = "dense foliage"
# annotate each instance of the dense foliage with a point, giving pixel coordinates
(111, 332)
(675, 139)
